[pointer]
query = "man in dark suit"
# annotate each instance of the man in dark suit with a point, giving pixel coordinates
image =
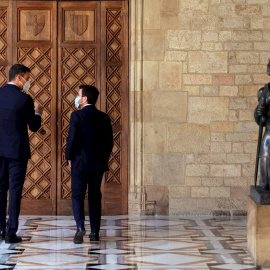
(89, 145)
(16, 113)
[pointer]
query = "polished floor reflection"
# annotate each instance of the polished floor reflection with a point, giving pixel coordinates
(131, 242)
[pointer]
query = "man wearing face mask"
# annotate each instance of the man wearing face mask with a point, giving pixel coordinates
(16, 115)
(89, 145)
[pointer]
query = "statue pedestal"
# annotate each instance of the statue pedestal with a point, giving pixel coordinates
(258, 233)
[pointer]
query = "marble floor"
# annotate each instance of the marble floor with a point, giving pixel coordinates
(131, 242)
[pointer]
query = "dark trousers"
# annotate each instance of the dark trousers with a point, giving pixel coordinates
(79, 182)
(12, 175)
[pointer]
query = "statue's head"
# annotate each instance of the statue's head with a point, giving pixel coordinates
(268, 67)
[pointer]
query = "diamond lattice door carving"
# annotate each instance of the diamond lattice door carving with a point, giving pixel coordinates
(3, 46)
(114, 102)
(38, 180)
(34, 42)
(78, 68)
(113, 88)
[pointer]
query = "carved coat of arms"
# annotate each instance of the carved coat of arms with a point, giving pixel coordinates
(79, 24)
(35, 23)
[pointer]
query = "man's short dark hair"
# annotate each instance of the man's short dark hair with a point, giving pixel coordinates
(16, 70)
(91, 92)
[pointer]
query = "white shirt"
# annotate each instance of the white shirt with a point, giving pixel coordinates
(12, 83)
(87, 105)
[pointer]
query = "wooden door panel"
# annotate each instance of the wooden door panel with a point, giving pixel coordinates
(34, 25)
(3, 42)
(112, 82)
(79, 25)
(79, 64)
(114, 101)
(38, 181)
(78, 68)
(35, 47)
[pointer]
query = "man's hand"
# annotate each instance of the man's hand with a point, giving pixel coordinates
(39, 109)
(69, 163)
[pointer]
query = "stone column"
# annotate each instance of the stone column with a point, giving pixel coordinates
(136, 188)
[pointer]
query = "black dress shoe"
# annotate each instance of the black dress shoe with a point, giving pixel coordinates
(2, 235)
(78, 238)
(13, 239)
(94, 237)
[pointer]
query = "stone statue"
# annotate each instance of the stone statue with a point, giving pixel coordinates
(262, 118)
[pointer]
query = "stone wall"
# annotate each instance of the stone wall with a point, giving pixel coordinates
(203, 62)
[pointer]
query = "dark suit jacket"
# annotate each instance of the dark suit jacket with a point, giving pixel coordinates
(16, 112)
(90, 139)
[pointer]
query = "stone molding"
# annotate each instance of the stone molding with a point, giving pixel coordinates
(136, 196)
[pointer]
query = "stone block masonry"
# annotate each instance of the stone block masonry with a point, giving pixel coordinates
(203, 63)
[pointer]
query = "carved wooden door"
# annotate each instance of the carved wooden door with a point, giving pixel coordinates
(88, 44)
(93, 50)
(34, 45)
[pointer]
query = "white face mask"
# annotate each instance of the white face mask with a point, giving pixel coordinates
(77, 105)
(26, 86)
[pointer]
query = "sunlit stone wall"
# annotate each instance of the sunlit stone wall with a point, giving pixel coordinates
(194, 139)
